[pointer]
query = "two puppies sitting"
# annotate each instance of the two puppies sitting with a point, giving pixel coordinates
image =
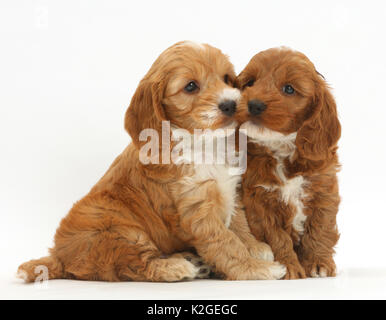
(176, 221)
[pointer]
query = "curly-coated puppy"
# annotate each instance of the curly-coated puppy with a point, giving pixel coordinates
(290, 188)
(136, 221)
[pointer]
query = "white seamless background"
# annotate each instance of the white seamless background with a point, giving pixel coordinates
(68, 70)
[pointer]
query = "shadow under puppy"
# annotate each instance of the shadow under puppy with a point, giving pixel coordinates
(290, 188)
(139, 221)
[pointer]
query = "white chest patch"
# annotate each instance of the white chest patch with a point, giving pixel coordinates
(292, 190)
(226, 180)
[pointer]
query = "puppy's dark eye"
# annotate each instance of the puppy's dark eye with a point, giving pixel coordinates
(288, 89)
(250, 83)
(191, 87)
(226, 79)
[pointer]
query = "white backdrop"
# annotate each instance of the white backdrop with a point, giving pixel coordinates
(69, 68)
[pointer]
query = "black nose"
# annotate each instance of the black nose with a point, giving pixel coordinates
(256, 107)
(228, 107)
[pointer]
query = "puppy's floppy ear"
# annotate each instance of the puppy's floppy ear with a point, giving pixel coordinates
(319, 134)
(146, 110)
(320, 75)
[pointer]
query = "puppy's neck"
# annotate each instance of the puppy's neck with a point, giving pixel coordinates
(282, 146)
(204, 147)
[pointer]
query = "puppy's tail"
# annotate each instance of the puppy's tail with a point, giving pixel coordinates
(42, 269)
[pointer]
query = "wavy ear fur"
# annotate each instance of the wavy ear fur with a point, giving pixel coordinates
(317, 138)
(146, 110)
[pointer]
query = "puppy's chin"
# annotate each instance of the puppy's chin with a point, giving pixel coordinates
(274, 140)
(259, 132)
(230, 127)
(221, 126)
(221, 129)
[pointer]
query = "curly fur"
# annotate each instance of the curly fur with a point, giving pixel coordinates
(290, 188)
(136, 220)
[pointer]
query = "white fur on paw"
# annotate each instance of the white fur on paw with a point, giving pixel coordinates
(321, 274)
(278, 271)
(314, 274)
(21, 274)
(266, 255)
(192, 271)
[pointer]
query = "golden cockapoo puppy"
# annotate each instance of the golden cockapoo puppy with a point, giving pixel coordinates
(290, 188)
(146, 215)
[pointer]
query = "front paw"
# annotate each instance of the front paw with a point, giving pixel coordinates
(261, 251)
(253, 269)
(258, 250)
(320, 268)
(294, 271)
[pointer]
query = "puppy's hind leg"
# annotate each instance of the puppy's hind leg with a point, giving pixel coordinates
(101, 239)
(132, 257)
(173, 268)
(142, 260)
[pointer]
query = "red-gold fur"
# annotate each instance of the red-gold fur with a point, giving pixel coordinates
(290, 188)
(137, 218)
